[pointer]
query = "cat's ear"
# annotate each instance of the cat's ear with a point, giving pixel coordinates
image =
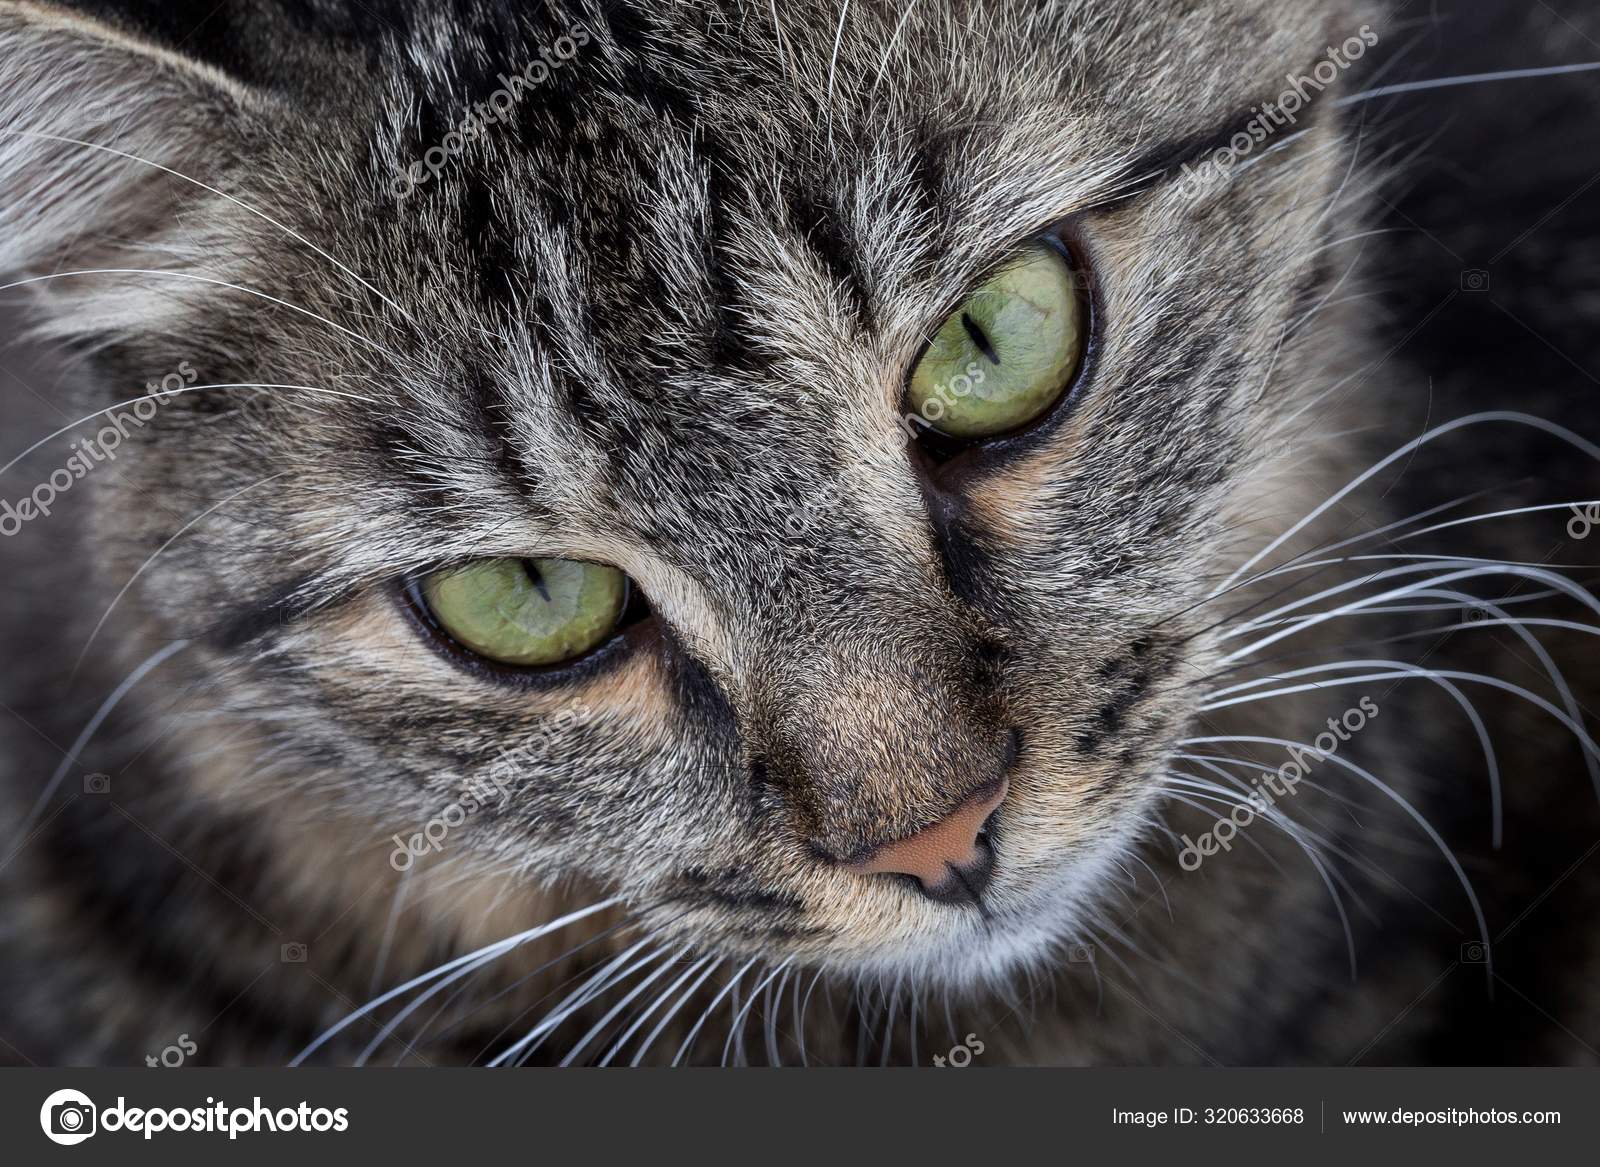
(96, 125)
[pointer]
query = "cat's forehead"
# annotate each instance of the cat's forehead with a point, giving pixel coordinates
(682, 253)
(724, 187)
(661, 152)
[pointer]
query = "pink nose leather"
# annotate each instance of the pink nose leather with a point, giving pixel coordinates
(931, 852)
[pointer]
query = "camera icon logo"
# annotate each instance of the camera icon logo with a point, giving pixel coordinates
(97, 783)
(1474, 279)
(1475, 952)
(292, 953)
(1080, 954)
(67, 1117)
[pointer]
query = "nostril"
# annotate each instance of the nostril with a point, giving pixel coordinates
(964, 884)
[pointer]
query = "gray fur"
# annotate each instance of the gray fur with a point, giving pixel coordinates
(648, 322)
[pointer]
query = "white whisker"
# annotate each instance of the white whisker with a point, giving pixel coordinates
(739, 1018)
(1407, 449)
(1400, 672)
(661, 999)
(498, 948)
(688, 995)
(1465, 79)
(41, 136)
(1394, 796)
(1473, 571)
(156, 554)
(597, 983)
(145, 668)
(178, 275)
(166, 394)
(1486, 744)
(599, 1026)
(709, 1009)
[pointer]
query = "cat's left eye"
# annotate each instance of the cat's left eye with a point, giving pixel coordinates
(1008, 354)
(527, 613)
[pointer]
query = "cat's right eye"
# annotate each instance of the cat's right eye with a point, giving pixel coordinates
(1006, 355)
(526, 613)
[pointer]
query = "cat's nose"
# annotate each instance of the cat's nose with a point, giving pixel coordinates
(951, 859)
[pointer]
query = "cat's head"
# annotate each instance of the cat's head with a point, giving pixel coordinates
(906, 388)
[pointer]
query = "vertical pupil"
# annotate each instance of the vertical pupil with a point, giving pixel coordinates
(536, 578)
(980, 338)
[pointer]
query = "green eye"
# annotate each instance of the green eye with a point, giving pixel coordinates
(527, 611)
(1007, 354)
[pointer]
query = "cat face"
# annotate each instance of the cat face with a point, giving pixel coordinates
(655, 306)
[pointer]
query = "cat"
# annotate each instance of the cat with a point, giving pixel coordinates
(1121, 734)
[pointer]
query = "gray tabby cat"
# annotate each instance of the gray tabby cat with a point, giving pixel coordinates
(751, 532)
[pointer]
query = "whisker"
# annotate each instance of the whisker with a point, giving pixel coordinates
(1193, 805)
(1432, 435)
(739, 1018)
(911, 1022)
(612, 972)
(40, 135)
(479, 1006)
(499, 947)
(1394, 796)
(1465, 79)
(465, 985)
(770, 1009)
(709, 1009)
(1496, 800)
(178, 275)
(599, 1026)
(891, 1008)
(143, 567)
(144, 669)
(1300, 563)
(1471, 571)
(661, 999)
(1300, 837)
(401, 888)
(1514, 511)
(688, 995)
(389, 1028)
(1403, 671)
(165, 395)
(800, 1019)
